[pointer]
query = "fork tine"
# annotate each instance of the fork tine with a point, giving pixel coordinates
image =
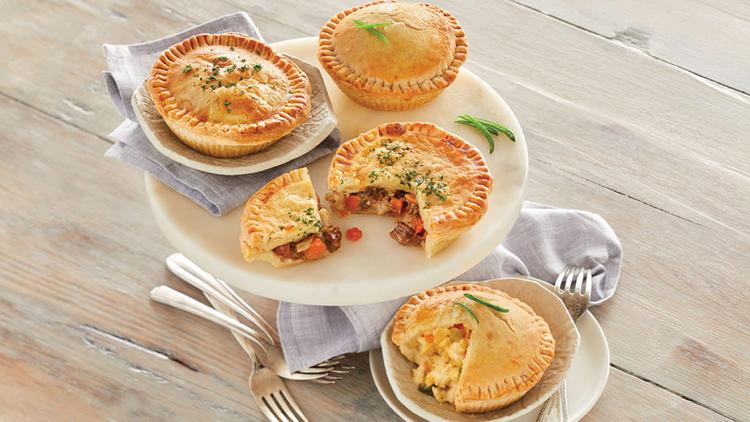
(579, 281)
(278, 397)
(288, 398)
(569, 279)
(587, 291)
(561, 276)
(267, 410)
(301, 376)
(271, 403)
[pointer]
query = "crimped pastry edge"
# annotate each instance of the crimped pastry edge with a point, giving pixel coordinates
(481, 400)
(252, 249)
(229, 140)
(450, 225)
(373, 93)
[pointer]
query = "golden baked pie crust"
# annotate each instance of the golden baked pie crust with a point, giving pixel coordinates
(501, 363)
(468, 180)
(403, 94)
(277, 214)
(226, 135)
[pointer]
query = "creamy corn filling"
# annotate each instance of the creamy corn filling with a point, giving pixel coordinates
(440, 359)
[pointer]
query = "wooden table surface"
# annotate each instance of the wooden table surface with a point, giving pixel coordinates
(636, 110)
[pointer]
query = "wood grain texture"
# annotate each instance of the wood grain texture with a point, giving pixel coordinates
(707, 38)
(660, 153)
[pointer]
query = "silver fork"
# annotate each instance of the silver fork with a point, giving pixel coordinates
(272, 397)
(573, 287)
(223, 298)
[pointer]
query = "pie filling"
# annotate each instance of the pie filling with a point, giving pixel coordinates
(440, 359)
(403, 205)
(311, 247)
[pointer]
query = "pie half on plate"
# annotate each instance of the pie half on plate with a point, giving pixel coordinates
(392, 55)
(283, 224)
(436, 184)
(478, 356)
(228, 95)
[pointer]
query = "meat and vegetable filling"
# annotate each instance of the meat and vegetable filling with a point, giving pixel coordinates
(312, 247)
(440, 359)
(403, 205)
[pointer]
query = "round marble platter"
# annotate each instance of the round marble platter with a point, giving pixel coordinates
(300, 141)
(375, 268)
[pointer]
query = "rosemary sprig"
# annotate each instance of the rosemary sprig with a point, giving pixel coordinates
(482, 302)
(487, 127)
(373, 28)
(466, 307)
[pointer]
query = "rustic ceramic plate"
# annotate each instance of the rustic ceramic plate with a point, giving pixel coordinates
(546, 305)
(586, 377)
(300, 141)
(375, 268)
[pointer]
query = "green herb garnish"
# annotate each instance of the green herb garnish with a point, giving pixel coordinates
(373, 28)
(487, 127)
(187, 68)
(482, 302)
(257, 67)
(227, 103)
(466, 307)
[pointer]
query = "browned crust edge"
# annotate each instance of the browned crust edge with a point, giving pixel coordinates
(282, 122)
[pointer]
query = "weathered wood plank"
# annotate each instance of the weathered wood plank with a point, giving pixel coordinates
(637, 400)
(80, 254)
(707, 38)
(654, 150)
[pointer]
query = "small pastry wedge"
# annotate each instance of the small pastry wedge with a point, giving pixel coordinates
(478, 354)
(283, 224)
(436, 184)
(228, 95)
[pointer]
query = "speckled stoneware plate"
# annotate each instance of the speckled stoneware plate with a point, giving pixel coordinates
(546, 305)
(301, 140)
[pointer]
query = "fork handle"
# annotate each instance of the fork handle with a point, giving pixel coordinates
(555, 409)
(191, 273)
(175, 299)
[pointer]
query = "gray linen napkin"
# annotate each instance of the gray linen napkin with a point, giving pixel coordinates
(128, 67)
(540, 244)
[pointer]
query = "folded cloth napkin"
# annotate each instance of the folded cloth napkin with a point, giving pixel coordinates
(128, 67)
(540, 244)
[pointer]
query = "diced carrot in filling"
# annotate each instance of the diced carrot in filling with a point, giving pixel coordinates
(352, 202)
(354, 234)
(397, 205)
(316, 250)
(411, 199)
(418, 225)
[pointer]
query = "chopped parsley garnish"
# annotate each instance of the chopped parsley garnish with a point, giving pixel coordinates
(187, 68)
(221, 59)
(257, 67)
(230, 69)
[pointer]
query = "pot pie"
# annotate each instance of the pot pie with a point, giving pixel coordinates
(391, 55)
(228, 95)
(469, 354)
(436, 184)
(283, 224)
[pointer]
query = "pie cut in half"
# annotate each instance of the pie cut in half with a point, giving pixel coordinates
(228, 95)
(479, 354)
(283, 224)
(391, 55)
(436, 184)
